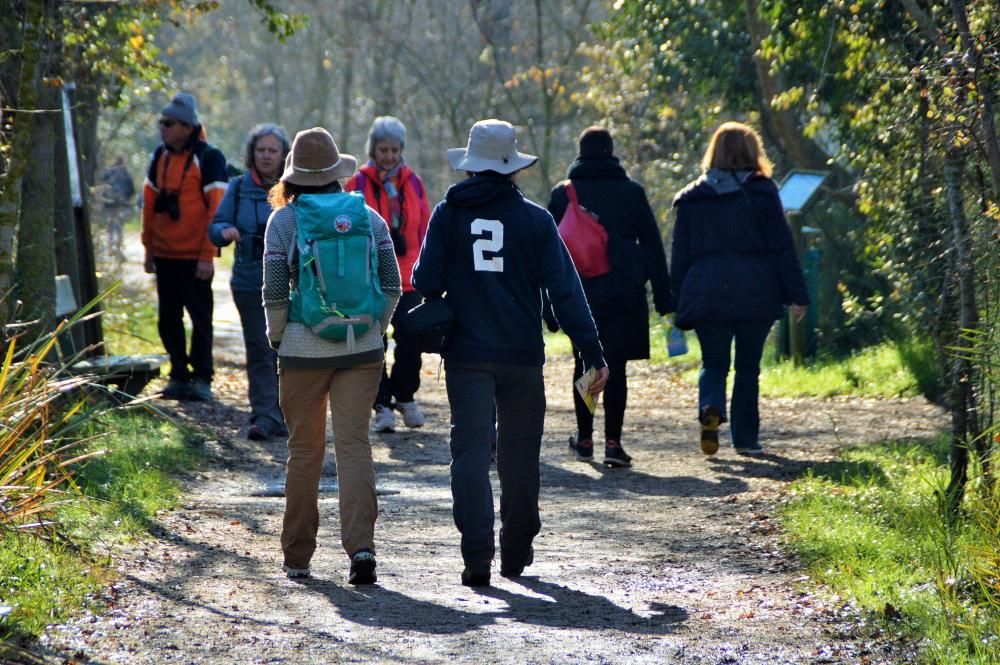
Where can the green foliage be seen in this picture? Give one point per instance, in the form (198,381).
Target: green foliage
(872,528)
(118,494)
(130,322)
(44,583)
(885,370)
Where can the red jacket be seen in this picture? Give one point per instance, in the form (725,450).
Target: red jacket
(413,208)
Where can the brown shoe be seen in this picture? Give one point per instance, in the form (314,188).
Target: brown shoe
(710,419)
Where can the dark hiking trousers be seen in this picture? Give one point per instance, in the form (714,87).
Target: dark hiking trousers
(178,290)
(615,398)
(262,362)
(518,392)
(403,380)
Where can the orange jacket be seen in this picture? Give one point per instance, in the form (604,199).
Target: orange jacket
(413,207)
(197,175)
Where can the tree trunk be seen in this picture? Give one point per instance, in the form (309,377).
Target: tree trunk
(35,238)
(964,401)
(10,182)
(984,86)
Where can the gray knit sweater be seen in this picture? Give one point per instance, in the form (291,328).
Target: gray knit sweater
(300,348)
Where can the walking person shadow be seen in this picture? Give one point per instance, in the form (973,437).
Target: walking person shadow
(563,607)
(549,604)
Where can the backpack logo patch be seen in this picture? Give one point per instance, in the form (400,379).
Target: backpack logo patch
(342,223)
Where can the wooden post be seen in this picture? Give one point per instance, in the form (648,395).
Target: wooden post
(796,329)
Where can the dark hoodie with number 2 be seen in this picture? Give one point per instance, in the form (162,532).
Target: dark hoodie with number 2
(491,252)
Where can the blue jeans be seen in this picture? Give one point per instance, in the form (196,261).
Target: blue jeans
(518,391)
(716,340)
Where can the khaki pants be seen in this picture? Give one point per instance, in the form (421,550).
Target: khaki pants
(304,395)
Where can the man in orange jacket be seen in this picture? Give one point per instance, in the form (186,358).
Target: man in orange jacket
(184,185)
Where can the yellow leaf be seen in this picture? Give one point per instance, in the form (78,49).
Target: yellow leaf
(137,41)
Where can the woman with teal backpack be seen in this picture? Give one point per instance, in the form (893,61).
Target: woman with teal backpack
(330,361)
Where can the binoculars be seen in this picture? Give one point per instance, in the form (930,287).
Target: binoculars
(167,202)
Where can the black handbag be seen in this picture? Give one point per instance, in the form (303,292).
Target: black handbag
(428,325)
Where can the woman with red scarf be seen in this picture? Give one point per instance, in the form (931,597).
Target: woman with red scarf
(396,192)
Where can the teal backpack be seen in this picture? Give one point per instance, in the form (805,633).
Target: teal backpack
(339,295)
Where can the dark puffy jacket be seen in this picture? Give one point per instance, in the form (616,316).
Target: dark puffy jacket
(733,258)
(635,251)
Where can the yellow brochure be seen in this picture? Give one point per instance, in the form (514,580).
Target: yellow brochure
(582,386)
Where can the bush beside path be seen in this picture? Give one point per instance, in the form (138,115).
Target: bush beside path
(677,560)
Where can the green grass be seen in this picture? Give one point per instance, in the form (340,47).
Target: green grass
(46,580)
(878,371)
(891,369)
(129,324)
(871,527)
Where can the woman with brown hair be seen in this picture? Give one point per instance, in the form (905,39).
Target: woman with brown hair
(316,372)
(733,266)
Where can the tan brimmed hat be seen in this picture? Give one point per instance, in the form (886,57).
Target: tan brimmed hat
(315,161)
(492,147)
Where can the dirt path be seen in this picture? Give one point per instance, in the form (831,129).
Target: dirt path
(674,561)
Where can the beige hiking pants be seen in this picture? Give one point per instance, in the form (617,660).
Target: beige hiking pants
(304,395)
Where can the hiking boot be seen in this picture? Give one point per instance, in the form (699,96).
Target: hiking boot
(412,417)
(257,433)
(199,390)
(362,568)
(615,455)
(513,566)
(385,419)
(176,389)
(749,450)
(710,419)
(583,448)
(296,573)
(476,575)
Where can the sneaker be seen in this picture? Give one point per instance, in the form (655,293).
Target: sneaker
(296,573)
(199,390)
(257,433)
(385,419)
(615,455)
(176,389)
(583,448)
(511,567)
(710,419)
(749,450)
(412,417)
(476,575)
(362,568)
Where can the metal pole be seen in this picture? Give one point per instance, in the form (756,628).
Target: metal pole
(74,166)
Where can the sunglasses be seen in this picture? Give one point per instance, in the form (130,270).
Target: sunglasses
(167,123)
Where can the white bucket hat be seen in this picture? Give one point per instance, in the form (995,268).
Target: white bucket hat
(315,161)
(492,147)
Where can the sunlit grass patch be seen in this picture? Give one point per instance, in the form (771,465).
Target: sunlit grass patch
(871,527)
(47,574)
(135,478)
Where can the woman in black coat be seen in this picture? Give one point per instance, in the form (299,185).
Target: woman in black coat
(617,299)
(734,266)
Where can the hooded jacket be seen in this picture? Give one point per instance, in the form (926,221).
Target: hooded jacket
(733,257)
(635,251)
(491,252)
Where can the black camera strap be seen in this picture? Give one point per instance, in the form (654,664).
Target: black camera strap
(187,167)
